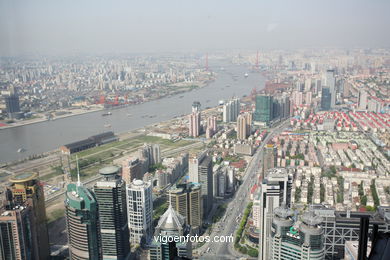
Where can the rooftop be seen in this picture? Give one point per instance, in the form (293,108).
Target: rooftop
(24,177)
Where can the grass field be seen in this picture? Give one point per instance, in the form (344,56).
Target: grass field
(93,159)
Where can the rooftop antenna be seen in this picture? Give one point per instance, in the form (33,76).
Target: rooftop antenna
(78,172)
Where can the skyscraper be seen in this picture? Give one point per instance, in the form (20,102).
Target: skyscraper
(12,103)
(296,241)
(275,191)
(171,224)
(244,122)
(194,124)
(140,211)
(200,171)
(241,127)
(16,239)
(25,202)
(362,101)
(326,99)
(186,199)
(331,84)
(82,221)
(264,109)
(211,126)
(231,110)
(110,194)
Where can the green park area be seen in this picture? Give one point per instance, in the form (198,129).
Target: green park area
(91,160)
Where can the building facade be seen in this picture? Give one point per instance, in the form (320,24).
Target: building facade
(275,191)
(24,192)
(171,224)
(82,222)
(186,199)
(294,240)
(140,211)
(110,194)
(264,109)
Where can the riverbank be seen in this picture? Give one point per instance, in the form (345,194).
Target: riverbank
(37,138)
(92,108)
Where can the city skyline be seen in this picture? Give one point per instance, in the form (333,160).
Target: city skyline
(194,129)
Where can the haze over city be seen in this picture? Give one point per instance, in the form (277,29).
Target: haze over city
(179,129)
(71,27)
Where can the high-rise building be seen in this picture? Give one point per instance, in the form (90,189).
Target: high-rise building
(194,124)
(26,192)
(308,98)
(206,181)
(140,211)
(187,200)
(82,221)
(132,169)
(110,194)
(200,171)
(244,122)
(226,112)
(16,240)
(171,224)
(296,241)
(275,191)
(331,84)
(362,101)
(326,99)
(342,226)
(264,109)
(211,126)
(269,158)
(12,103)
(241,127)
(150,153)
(231,110)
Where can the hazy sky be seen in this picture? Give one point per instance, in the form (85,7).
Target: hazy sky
(92,26)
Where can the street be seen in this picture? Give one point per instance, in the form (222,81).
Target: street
(228,224)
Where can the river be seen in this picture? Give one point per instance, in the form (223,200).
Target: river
(49,135)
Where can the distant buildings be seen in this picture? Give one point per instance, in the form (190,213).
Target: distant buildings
(200,171)
(171,224)
(83,225)
(297,241)
(275,191)
(264,109)
(140,211)
(110,195)
(186,199)
(23,220)
(231,110)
